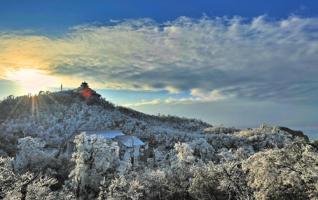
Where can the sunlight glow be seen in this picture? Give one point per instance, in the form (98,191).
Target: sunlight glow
(32,80)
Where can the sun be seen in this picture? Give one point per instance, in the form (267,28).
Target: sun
(32,80)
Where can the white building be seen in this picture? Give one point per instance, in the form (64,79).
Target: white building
(131,148)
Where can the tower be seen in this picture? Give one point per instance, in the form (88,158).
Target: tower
(84,85)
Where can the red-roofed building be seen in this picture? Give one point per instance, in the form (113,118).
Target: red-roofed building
(87,93)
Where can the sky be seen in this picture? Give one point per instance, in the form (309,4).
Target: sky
(231,62)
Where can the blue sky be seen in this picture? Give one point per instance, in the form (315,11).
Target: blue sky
(231,62)
(59,15)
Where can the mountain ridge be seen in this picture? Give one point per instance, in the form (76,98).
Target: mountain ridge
(68,97)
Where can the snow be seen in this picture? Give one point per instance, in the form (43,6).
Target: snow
(109,134)
(130,141)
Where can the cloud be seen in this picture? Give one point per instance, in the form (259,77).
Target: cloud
(213,95)
(196,96)
(211,58)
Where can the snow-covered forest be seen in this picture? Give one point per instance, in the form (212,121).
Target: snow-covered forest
(188,159)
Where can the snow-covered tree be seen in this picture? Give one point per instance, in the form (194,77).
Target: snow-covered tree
(14,185)
(40,188)
(184,153)
(206,183)
(122,189)
(221,181)
(7,176)
(181,170)
(94,158)
(202,149)
(289,173)
(156,184)
(31,154)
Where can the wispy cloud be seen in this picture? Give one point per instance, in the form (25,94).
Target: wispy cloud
(195,96)
(211,59)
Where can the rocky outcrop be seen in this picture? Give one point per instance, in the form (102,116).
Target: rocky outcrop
(294,133)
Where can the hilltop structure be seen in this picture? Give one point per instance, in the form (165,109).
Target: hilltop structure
(87,93)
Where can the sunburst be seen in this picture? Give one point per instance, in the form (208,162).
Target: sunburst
(32,80)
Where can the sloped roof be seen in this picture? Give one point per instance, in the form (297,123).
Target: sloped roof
(109,134)
(129,140)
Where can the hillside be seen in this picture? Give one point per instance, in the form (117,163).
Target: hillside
(55,116)
(189,159)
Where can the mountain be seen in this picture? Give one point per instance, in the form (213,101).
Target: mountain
(187,158)
(55,116)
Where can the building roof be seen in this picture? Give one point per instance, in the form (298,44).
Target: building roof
(129,140)
(109,134)
(117,135)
